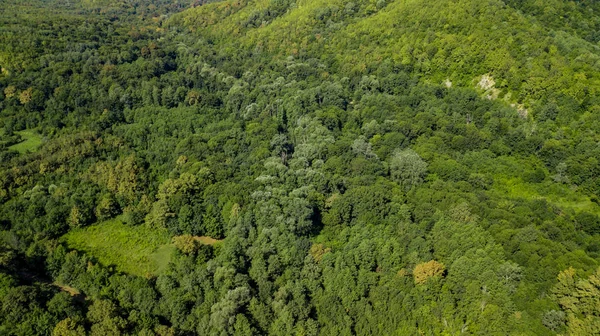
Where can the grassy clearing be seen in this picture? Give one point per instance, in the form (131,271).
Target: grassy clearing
(207,240)
(508,175)
(135,250)
(557,194)
(32,141)
(72,291)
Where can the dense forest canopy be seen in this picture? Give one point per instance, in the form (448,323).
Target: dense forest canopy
(299,167)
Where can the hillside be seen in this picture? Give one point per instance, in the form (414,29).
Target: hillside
(404,167)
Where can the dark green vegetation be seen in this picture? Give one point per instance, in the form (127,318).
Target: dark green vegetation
(379,167)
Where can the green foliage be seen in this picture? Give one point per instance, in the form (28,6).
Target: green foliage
(579,299)
(407,168)
(323,167)
(31,142)
(136,250)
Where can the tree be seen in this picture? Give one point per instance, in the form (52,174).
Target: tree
(312,139)
(424,271)
(510,274)
(361,147)
(107,207)
(223,314)
(68,327)
(554,320)
(78,217)
(561,173)
(106,321)
(10,91)
(580,299)
(25,96)
(186,243)
(407,168)
(588,222)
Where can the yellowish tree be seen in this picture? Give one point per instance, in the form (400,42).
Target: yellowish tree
(25,96)
(10,91)
(424,271)
(186,243)
(580,300)
(68,327)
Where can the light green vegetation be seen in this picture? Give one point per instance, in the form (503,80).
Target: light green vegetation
(512,180)
(560,196)
(207,240)
(136,250)
(31,142)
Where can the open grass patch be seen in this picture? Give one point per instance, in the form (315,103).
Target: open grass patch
(31,142)
(508,174)
(557,194)
(136,250)
(206,240)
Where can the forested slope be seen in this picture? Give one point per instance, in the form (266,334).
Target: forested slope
(305,167)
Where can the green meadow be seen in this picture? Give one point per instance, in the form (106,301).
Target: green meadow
(136,250)
(31,142)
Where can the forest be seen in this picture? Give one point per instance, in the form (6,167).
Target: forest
(299,167)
